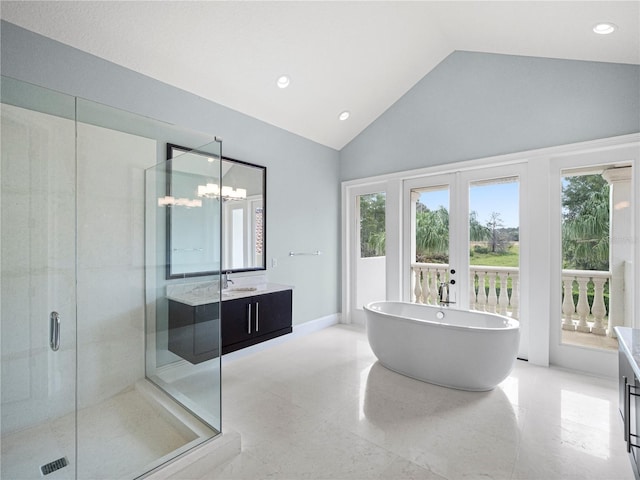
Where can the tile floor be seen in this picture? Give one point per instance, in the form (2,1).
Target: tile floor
(321,407)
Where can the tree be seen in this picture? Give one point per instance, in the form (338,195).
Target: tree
(477,231)
(497,240)
(372,225)
(585,223)
(432,234)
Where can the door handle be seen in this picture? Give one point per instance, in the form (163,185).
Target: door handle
(54,331)
(628,393)
(249,321)
(257,325)
(627,414)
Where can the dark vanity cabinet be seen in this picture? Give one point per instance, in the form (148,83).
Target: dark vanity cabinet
(194,331)
(629,405)
(250,320)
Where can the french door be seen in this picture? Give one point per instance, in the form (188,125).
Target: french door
(592,227)
(462,232)
(367,218)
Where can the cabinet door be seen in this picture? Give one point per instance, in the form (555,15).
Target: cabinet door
(206,331)
(273,312)
(237,326)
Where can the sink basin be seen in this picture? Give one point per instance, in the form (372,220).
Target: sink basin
(238,290)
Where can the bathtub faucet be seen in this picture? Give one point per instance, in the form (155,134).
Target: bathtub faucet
(443,293)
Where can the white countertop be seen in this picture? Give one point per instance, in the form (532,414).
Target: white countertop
(202,296)
(629,342)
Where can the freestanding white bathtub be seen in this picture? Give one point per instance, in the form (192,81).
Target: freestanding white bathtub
(460,349)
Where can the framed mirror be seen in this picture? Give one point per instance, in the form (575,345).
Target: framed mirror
(238,193)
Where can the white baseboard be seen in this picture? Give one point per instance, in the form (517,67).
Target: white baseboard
(317,324)
(298,331)
(181,368)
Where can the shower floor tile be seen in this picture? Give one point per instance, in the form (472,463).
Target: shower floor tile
(116,439)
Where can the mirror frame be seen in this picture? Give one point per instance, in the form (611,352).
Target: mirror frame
(171,149)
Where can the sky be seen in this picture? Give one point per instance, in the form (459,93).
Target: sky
(484,199)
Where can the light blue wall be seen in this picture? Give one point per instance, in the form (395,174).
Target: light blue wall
(303,209)
(475,105)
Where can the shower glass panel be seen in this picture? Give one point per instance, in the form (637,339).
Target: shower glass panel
(120,413)
(77,289)
(38,313)
(183,314)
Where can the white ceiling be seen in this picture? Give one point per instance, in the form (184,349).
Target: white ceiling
(358,56)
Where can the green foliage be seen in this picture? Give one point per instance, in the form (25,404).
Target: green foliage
(372,225)
(432,234)
(585,223)
(477,231)
(508,258)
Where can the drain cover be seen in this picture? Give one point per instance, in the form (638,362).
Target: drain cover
(54,466)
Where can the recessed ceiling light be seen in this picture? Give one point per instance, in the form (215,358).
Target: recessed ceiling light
(604,28)
(344,115)
(283,81)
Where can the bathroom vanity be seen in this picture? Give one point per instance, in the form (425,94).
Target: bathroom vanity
(193,331)
(249,315)
(629,386)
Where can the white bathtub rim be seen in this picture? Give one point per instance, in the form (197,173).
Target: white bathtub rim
(513,323)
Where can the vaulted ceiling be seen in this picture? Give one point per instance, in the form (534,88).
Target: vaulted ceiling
(358,56)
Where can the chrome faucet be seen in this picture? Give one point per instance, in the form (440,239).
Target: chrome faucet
(226,280)
(443,293)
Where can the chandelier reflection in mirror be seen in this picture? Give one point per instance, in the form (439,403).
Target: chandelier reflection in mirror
(169,201)
(212,190)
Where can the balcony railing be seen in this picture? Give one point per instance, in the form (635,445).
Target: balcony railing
(576,315)
(500,293)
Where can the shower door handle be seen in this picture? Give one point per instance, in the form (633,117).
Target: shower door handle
(54,331)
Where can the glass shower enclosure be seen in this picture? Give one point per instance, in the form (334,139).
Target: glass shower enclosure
(90,386)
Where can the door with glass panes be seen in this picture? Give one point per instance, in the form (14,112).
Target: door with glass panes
(463,244)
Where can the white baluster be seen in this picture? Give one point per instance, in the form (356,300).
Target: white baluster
(582,309)
(472,292)
(482,294)
(598,309)
(568,307)
(427,285)
(503,299)
(492,301)
(417,288)
(515,295)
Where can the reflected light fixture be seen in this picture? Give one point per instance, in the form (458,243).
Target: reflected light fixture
(344,115)
(168,201)
(211,190)
(604,28)
(283,81)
